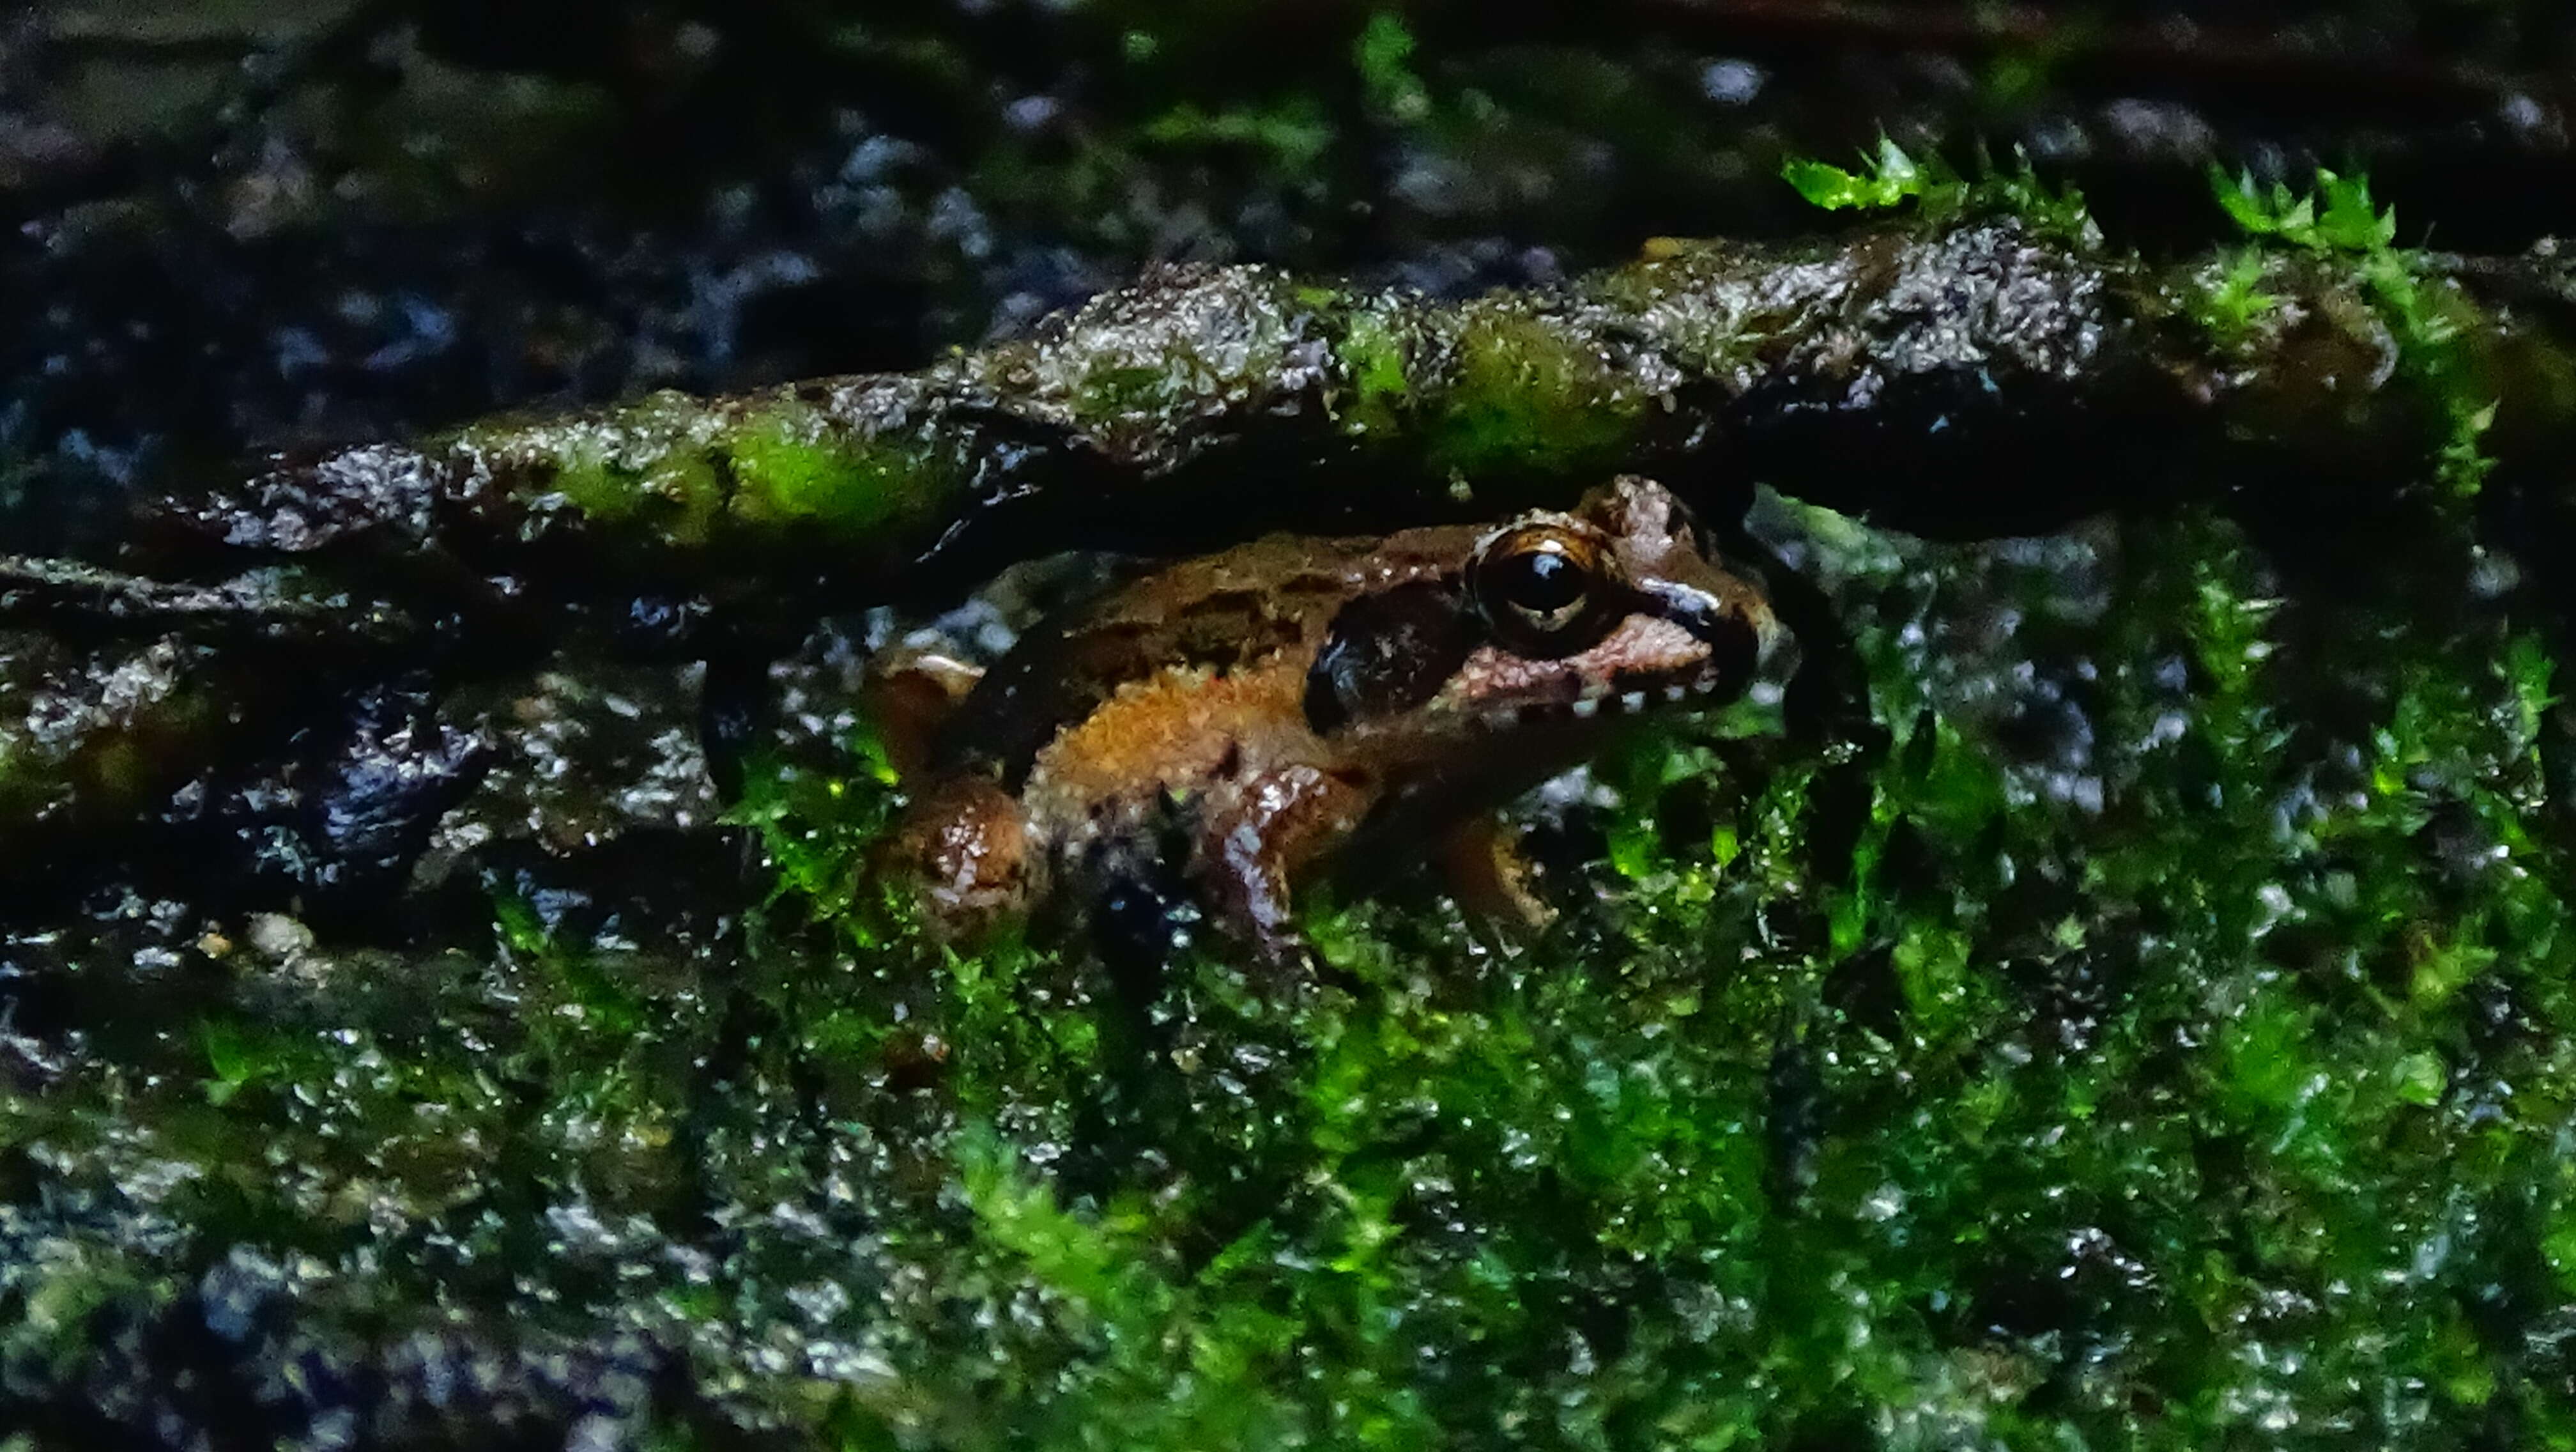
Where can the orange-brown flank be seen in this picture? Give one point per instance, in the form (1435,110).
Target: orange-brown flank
(1180,727)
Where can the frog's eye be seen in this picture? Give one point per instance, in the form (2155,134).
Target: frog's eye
(1543,590)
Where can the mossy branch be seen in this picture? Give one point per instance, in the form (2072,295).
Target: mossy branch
(1972,378)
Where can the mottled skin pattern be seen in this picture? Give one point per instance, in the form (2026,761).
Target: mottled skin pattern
(1225,726)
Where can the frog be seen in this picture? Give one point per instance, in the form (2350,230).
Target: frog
(1202,741)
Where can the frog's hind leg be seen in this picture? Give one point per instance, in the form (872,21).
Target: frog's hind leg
(965,852)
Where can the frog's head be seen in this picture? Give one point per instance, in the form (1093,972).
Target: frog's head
(1550,618)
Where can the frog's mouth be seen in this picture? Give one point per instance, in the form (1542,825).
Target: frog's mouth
(1678,644)
(1631,702)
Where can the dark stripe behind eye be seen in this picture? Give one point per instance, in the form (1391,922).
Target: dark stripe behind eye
(1388,652)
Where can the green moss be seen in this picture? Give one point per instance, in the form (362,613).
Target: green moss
(1373,358)
(2428,318)
(1892,178)
(583,475)
(1384,54)
(640,471)
(1889,178)
(2345,222)
(1077,1257)
(2052,211)
(2235,301)
(1293,135)
(816,821)
(1111,393)
(792,468)
(1523,400)
(672,471)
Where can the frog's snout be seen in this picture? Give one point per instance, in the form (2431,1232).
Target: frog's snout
(1741,633)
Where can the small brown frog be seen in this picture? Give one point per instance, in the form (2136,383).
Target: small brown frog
(1221,729)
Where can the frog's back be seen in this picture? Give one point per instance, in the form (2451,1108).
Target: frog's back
(1219,615)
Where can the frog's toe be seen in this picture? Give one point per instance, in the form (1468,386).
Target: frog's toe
(1492,879)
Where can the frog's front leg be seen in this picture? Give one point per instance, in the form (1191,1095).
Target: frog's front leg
(1257,837)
